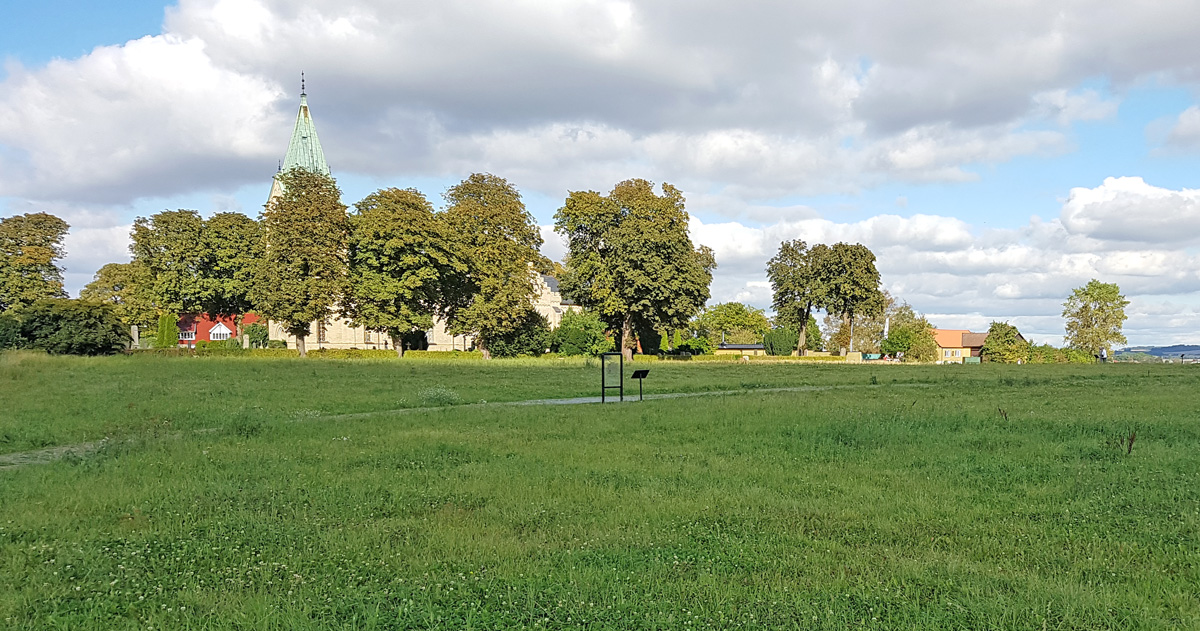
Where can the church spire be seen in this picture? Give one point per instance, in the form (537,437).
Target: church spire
(304,150)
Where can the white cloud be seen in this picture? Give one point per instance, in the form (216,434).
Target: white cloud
(965,277)
(1127,209)
(769,100)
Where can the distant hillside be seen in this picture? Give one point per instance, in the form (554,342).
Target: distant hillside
(1164,351)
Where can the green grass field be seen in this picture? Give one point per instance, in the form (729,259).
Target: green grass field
(232,495)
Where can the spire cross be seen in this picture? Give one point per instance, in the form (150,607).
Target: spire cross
(301,83)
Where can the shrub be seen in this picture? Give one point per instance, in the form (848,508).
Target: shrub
(449,355)
(1004,345)
(63,326)
(258,335)
(580,333)
(781,341)
(168,331)
(696,346)
(529,338)
(10,332)
(276,344)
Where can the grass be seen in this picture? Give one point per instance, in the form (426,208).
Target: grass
(860,506)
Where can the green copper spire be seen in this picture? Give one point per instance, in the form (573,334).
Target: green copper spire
(304,150)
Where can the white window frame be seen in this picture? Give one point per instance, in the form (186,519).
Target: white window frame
(219,335)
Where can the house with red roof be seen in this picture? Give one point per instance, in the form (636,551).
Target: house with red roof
(202,327)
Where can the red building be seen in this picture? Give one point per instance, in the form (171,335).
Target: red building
(205,328)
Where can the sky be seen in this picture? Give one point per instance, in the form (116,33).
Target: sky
(994,156)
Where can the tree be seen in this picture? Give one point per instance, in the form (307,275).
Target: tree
(732,322)
(851,284)
(1004,345)
(500,243)
(911,334)
(780,341)
(126,287)
(302,273)
(70,327)
(812,336)
(630,259)
(530,338)
(167,333)
(168,246)
(580,333)
(231,246)
(30,247)
(797,285)
(401,256)
(1095,314)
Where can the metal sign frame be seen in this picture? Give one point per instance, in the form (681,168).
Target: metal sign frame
(640,375)
(605,360)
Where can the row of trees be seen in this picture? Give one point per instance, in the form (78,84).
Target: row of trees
(393,263)
(839,279)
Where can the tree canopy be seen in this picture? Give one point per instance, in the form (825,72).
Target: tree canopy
(630,259)
(168,246)
(910,333)
(1004,345)
(1095,314)
(732,322)
(840,279)
(231,246)
(797,285)
(401,256)
(126,287)
(30,247)
(302,273)
(500,242)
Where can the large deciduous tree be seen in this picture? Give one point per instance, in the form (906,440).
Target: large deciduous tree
(125,286)
(851,284)
(301,276)
(630,259)
(797,285)
(401,256)
(500,241)
(1095,314)
(168,246)
(232,247)
(30,247)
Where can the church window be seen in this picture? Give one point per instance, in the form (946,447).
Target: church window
(321,332)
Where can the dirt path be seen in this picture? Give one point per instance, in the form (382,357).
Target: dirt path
(54,454)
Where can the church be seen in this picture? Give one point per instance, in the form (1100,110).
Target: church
(304,151)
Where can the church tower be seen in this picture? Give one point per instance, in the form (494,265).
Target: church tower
(304,150)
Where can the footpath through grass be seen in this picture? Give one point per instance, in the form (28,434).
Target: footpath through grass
(991,498)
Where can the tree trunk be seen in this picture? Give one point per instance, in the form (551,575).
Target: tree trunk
(300,346)
(627,338)
(802,344)
(483,349)
(399,346)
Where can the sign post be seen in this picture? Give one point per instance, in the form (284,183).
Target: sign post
(612,374)
(640,375)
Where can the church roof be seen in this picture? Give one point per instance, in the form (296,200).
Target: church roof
(305,149)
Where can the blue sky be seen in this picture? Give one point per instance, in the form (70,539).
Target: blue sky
(992,158)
